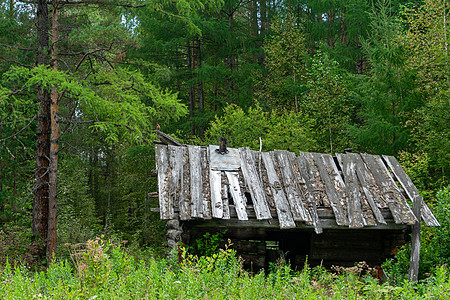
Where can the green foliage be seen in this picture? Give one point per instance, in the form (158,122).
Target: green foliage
(106,271)
(435,246)
(208,244)
(243,129)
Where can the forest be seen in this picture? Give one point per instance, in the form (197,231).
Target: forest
(85,84)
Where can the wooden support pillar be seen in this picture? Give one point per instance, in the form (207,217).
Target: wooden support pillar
(173,235)
(415,243)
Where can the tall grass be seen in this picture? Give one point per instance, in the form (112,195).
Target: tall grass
(100,270)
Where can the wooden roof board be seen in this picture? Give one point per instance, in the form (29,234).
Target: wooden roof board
(285,186)
(196,181)
(410,189)
(254,184)
(355,215)
(334,195)
(400,209)
(281,203)
(298,210)
(306,174)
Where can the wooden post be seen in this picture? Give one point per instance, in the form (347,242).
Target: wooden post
(415,243)
(173,235)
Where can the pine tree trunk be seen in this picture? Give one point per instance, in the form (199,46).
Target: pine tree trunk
(54,142)
(41,189)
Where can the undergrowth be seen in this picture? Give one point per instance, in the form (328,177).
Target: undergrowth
(100,269)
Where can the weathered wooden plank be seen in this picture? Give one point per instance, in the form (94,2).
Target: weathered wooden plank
(410,189)
(215,181)
(206,190)
(176,163)
(368,187)
(224,162)
(185,205)
(196,181)
(319,192)
(332,182)
(415,243)
(306,174)
(396,201)
(355,216)
(299,213)
(254,184)
(238,198)
(262,174)
(162,164)
(281,202)
(225,201)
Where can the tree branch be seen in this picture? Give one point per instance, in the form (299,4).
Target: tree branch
(18,132)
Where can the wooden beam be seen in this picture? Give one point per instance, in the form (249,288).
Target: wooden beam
(415,243)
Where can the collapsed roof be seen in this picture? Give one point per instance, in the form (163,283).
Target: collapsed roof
(197,182)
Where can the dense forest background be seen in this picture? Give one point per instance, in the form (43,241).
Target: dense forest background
(317,75)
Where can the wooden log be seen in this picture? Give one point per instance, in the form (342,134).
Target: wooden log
(254,184)
(415,243)
(355,215)
(306,174)
(196,181)
(281,203)
(238,198)
(333,186)
(299,212)
(162,161)
(400,209)
(410,189)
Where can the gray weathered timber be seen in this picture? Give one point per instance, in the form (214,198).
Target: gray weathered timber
(225,201)
(176,163)
(415,243)
(254,185)
(185,205)
(215,181)
(206,190)
(299,213)
(410,189)
(238,198)
(230,161)
(196,181)
(355,215)
(396,201)
(281,202)
(330,187)
(368,187)
(306,174)
(162,162)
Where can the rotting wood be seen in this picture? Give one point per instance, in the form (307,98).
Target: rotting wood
(225,200)
(216,193)
(368,186)
(281,202)
(176,162)
(262,173)
(238,198)
(254,184)
(306,173)
(415,243)
(410,189)
(196,181)
(299,213)
(162,161)
(319,193)
(355,216)
(185,205)
(333,196)
(206,190)
(396,201)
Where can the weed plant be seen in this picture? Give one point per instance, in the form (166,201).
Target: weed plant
(103,270)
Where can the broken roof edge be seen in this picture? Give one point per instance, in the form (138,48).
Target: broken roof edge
(176,182)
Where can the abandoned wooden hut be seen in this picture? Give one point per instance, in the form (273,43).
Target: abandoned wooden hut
(333,210)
